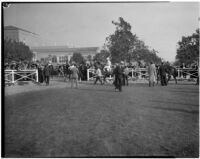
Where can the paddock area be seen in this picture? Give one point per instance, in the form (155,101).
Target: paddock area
(96,121)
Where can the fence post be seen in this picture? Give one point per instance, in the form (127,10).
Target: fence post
(182,73)
(13,77)
(88,74)
(132,73)
(139,74)
(179,73)
(36,75)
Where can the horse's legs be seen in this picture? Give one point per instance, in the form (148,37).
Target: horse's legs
(175,79)
(169,77)
(104,78)
(158,78)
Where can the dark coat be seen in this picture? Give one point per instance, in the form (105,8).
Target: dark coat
(47,71)
(162,70)
(118,71)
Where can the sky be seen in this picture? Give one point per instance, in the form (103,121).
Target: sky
(160,24)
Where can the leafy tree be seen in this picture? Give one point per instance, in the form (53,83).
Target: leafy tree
(77,58)
(101,57)
(16,51)
(124,46)
(121,41)
(188,49)
(146,55)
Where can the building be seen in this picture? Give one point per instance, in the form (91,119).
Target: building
(21,35)
(61,54)
(57,54)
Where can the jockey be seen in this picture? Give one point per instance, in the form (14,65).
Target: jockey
(108,65)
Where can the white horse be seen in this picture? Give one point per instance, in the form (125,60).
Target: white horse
(107,69)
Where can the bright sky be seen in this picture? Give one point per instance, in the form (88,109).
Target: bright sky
(159,25)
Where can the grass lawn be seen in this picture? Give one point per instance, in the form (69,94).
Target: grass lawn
(95,120)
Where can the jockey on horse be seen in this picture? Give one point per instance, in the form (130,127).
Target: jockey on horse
(107,69)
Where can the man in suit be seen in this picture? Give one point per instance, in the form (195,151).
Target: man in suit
(162,72)
(47,74)
(118,72)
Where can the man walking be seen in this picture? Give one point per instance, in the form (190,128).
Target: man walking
(98,75)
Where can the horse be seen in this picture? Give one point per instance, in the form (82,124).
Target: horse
(107,72)
(171,71)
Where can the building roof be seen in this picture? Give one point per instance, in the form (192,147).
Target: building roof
(55,49)
(10,27)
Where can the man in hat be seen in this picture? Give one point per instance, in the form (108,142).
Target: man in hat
(46,74)
(98,75)
(162,72)
(118,72)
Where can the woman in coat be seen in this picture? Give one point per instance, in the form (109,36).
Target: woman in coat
(74,75)
(152,74)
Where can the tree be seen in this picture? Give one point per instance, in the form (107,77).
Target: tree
(188,49)
(121,41)
(124,46)
(77,58)
(101,57)
(16,51)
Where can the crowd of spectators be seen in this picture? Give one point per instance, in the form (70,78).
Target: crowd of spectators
(63,70)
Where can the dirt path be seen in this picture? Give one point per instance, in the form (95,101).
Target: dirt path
(58,121)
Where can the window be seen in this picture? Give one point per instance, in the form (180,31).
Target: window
(63,59)
(54,59)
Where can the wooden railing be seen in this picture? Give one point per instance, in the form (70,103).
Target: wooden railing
(142,74)
(12,76)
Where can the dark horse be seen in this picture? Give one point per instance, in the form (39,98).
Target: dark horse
(171,71)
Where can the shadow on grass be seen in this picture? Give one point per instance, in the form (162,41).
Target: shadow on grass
(177,110)
(178,91)
(97,90)
(169,102)
(21,83)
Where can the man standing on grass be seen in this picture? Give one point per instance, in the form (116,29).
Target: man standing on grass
(47,74)
(162,72)
(125,73)
(152,74)
(74,75)
(118,73)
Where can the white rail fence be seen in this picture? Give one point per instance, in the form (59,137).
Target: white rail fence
(187,73)
(13,76)
(142,74)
